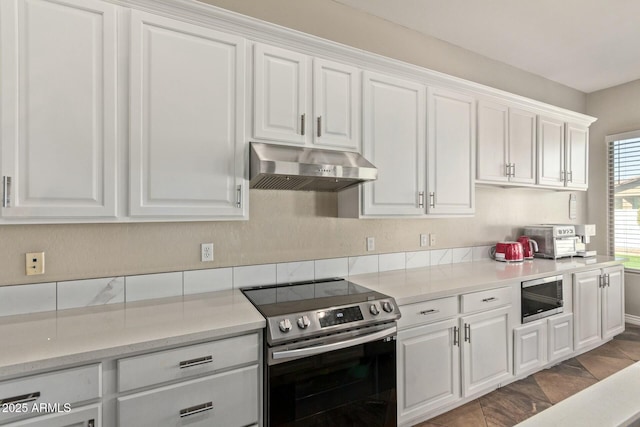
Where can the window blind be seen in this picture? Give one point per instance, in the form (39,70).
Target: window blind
(624,198)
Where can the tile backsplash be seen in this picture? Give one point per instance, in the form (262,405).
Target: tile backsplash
(22,299)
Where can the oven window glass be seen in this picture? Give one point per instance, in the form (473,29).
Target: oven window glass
(353,387)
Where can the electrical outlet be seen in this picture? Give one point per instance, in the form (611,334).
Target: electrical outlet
(206,252)
(34,263)
(424,240)
(432,239)
(371,244)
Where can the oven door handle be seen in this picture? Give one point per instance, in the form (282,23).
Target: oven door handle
(312,351)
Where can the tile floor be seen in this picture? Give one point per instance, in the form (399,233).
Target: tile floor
(509,405)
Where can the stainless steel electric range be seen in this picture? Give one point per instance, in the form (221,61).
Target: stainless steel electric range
(330,354)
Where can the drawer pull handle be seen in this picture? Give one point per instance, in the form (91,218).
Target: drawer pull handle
(196,362)
(187,412)
(490,299)
(430,311)
(23,398)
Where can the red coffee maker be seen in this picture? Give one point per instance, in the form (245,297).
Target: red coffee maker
(529,246)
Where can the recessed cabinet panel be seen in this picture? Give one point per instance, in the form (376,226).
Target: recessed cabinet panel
(577,156)
(551,162)
(613,302)
(586,308)
(522,146)
(451,153)
(560,342)
(394,141)
(187,89)
(529,347)
(493,142)
(58,85)
(280,94)
(336,93)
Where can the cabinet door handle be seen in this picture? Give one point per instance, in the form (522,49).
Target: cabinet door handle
(430,311)
(23,398)
(570,176)
(239,196)
(507,168)
(490,299)
(467,332)
(6,191)
(421,199)
(432,199)
(196,362)
(91,423)
(456,336)
(601,281)
(607,280)
(302,117)
(193,410)
(563,176)
(513,170)
(319,125)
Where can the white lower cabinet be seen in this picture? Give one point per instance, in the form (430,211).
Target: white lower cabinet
(86,416)
(226,399)
(486,350)
(428,368)
(598,305)
(560,337)
(529,347)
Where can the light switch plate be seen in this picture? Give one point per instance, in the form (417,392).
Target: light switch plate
(34,263)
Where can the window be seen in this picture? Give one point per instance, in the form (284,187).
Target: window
(624,197)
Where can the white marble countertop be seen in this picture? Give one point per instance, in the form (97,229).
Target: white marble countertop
(34,342)
(422,284)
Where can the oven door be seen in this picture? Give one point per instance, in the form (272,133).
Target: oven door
(334,382)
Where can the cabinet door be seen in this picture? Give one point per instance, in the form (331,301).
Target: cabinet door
(187,97)
(486,350)
(336,105)
(428,368)
(551,166)
(560,342)
(58,107)
(280,95)
(586,308)
(577,162)
(86,416)
(493,134)
(394,141)
(451,153)
(613,302)
(522,145)
(529,351)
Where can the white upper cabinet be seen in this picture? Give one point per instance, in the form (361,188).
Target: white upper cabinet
(551,162)
(563,154)
(577,156)
(280,94)
(336,105)
(58,108)
(451,152)
(394,141)
(187,129)
(493,142)
(303,100)
(522,146)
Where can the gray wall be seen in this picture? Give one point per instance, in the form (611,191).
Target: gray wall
(617,110)
(286,226)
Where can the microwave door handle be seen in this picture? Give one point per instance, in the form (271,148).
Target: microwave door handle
(312,351)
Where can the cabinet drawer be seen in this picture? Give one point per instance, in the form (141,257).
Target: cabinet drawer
(485,300)
(427,312)
(60,387)
(155,368)
(85,416)
(228,399)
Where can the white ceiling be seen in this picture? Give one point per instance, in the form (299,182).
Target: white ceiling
(584,44)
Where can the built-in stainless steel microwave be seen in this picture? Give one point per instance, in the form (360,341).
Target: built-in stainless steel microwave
(541,298)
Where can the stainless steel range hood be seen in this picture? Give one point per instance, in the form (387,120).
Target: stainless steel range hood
(281,167)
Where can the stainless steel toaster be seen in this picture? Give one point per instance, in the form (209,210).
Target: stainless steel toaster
(554,241)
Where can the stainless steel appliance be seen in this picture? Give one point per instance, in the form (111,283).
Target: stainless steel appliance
(554,241)
(584,233)
(330,354)
(541,298)
(282,167)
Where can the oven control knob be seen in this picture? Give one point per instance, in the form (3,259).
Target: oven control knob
(373,309)
(285,325)
(303,322)
(386,306)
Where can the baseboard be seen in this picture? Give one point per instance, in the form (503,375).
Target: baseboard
(630,318)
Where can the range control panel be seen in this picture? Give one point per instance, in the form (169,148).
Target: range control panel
(295,326)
